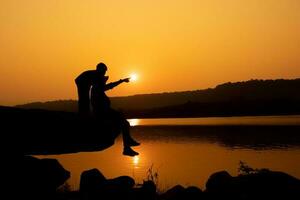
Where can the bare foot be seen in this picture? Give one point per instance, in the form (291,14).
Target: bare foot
(129,152)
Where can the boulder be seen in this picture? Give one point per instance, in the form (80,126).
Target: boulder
(93,185)
(178,192)
(41,132)
(175,193)
(260,184)
(193,193)
(218,181)
(91,182)
(42,177)
(121,182)
(118,188)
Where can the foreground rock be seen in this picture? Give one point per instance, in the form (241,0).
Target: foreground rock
(40,178)
(93,185)
(264,184)
(178,192)
(36,132)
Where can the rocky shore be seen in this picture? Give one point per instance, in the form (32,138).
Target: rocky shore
(32,132)
(46,178)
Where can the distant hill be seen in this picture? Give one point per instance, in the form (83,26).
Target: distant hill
(253,97)
(59,105)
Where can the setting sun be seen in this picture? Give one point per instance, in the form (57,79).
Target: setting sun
(133,77)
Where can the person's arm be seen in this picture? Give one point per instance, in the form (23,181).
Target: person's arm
(111,85)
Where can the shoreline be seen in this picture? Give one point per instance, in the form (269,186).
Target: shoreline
(45,178)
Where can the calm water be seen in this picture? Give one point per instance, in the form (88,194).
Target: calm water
(187,151)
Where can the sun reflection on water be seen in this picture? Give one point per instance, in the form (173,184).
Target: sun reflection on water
(135,161)
(134,122)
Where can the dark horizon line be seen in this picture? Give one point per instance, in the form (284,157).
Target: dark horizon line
(158,93)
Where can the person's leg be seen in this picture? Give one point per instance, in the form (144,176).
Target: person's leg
(128,141)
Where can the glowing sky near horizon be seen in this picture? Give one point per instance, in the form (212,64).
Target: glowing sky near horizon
(173,45)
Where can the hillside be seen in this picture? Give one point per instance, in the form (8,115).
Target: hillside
(253,97)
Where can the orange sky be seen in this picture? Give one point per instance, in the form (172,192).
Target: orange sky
(172,44)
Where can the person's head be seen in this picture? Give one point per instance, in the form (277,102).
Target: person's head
(101,68)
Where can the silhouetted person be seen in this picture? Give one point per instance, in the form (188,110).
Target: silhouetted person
(102,109)
(84,82)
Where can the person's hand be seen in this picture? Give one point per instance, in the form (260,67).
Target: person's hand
(126,80)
